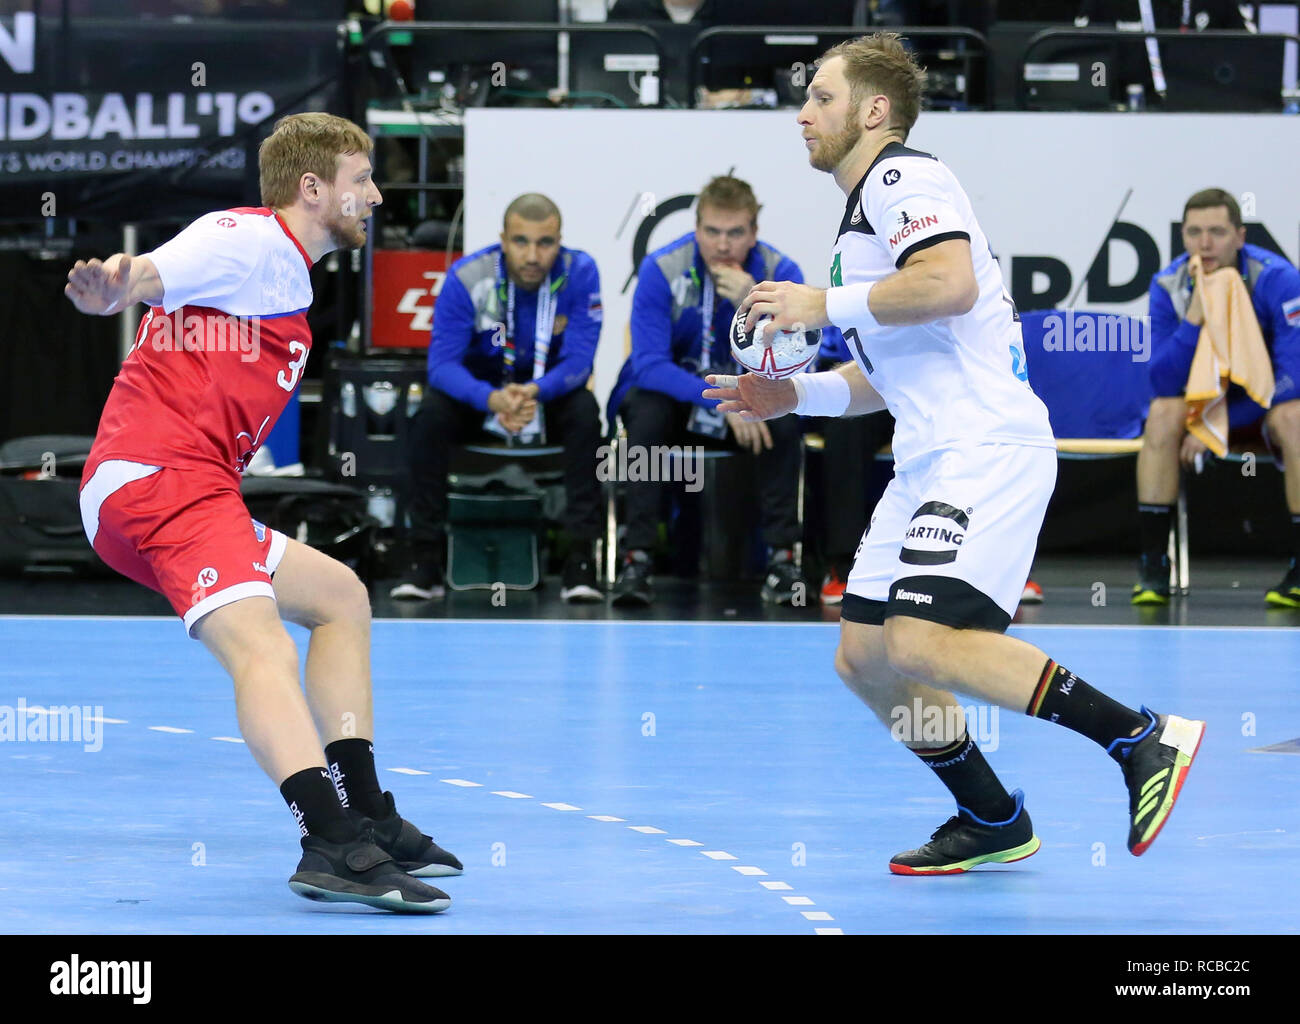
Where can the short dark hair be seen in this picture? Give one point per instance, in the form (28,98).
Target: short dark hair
(1211,197)
(532,206)
(727,193)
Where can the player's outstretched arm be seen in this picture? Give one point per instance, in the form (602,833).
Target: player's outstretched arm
(863,398)
(105,287)
(752,397)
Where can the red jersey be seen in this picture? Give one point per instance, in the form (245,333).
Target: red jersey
(214,366)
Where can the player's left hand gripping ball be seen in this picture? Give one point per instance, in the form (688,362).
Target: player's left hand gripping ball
(770,353)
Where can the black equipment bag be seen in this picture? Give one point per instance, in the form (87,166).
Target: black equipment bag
(333,518)
(40,517)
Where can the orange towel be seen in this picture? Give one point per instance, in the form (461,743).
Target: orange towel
(1230,348)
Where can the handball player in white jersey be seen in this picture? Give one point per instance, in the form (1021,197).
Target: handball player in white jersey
(218,355)
(937,576)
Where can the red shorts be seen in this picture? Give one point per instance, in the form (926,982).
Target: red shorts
(185,533)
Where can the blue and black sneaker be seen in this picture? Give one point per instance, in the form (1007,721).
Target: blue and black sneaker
(965,841)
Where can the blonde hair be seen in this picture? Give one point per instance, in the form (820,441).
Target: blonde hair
(880,63)
(301,144)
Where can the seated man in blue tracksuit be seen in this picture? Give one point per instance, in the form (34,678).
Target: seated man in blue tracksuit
(1212,228)
(685,298)
(514,336)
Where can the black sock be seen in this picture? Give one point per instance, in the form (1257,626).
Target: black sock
(962,768)
(352,766)
(1295,539)
(314,804)
(1064,698)
(1153,529)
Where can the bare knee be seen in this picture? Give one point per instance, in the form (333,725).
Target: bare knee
(1166,423)
(912,647)
(342,598)
(860,657)
(1284,425)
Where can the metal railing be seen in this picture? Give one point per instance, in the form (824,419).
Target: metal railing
(517,27)
(1137,37)
(846,31)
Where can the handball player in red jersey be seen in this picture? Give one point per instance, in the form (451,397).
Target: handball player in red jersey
(217,357)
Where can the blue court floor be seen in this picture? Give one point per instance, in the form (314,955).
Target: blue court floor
(602,777)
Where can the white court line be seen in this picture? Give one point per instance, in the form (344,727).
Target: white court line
(408,771)
(776,885)
(747,870)
(510,794)
(460,782)
(817,915)
(227,739)
(604,817)
(829,931)
(649,830)
(799,901)
(718,855)
(168,728)
(562,807)
(684,842)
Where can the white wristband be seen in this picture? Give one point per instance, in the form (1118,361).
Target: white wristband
(846,306)
(821,394)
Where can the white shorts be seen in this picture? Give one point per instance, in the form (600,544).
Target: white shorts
(953,537)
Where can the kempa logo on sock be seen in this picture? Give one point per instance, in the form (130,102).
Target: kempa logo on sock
(337,776)
(132,978)
(299,817)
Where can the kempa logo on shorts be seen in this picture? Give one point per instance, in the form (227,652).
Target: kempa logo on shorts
(72,977)
(207,577)
(259,567)
(937,537)
(912,595)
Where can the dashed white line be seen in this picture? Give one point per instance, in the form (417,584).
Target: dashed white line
(510,794)
(562,807)
(798,901)
(829,931)
(168,728)
(460,782)
(408,771)
(684,842)
(747,870)
(227,739)
(718,855)
(816,915)
(604,817)
(649,830)
(776,885)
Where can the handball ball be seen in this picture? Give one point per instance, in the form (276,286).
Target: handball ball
(400,10)
(788,353)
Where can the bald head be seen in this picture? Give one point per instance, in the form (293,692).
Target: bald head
(532,206)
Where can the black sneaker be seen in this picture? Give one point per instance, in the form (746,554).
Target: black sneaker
(633,586)
(964,841)
(1155,765)
(423,581)
(414,852)
(783,581)
(1152,586)
(360,872)
(579,582)
(1287,593)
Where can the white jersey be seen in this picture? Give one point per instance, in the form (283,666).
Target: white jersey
(956,381)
